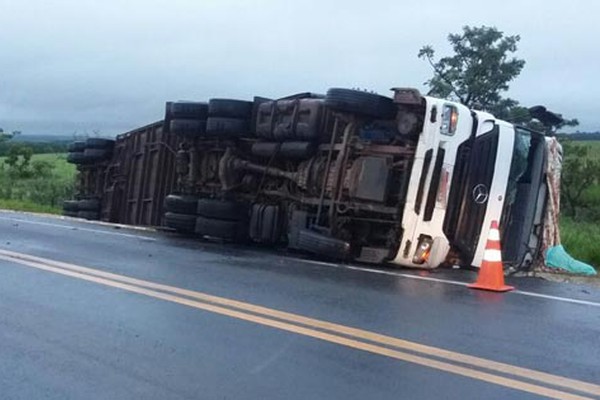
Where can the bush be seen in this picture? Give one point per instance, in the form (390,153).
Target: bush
(580,190)
(39,185)
(581,240)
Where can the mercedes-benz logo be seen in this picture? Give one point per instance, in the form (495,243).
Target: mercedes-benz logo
(480,193)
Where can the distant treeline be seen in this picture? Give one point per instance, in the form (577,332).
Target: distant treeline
(59,146)
(579,136)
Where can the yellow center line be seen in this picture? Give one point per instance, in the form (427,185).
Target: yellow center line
(508,369)
(127,283)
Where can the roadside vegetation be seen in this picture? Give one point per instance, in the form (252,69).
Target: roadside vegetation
(580,208)
(35,182)
(581,239)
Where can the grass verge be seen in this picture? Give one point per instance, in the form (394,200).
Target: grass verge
(581,240)
(25,205)
(40,187)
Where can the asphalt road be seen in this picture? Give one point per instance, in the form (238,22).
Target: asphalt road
(94,312)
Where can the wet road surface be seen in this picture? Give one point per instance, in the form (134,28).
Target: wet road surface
(90,311)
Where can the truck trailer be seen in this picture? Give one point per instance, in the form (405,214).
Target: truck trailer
(407,180)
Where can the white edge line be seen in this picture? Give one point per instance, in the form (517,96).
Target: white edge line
(444,281)
(83,221)
(327,264)
(557,298)
(75,228)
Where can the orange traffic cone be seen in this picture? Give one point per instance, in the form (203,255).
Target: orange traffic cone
(491,273)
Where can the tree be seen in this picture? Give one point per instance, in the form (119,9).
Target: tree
(42,168)
(4,136)
(479,72)
(580,174)
(18,160)
(480,69)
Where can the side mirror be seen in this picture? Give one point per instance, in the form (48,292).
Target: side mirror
(547,118)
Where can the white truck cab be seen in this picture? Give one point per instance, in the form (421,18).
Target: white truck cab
(470,168)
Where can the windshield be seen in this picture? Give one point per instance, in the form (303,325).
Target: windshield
(519,164)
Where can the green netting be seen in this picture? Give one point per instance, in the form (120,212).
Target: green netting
(557,257)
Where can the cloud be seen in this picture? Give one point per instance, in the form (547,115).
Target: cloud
(87,65)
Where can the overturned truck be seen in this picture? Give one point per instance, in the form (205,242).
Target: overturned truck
(410,180)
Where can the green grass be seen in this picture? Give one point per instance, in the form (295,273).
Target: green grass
(61,168)
(581,236)
(59,160)
(581,240)
(38,193)
(27,205)
(594,148)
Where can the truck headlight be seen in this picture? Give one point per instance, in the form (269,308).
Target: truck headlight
(449,120)
(423,250)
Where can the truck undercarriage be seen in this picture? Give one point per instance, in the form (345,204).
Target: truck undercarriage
(323,174)
(331,175)
(313,174)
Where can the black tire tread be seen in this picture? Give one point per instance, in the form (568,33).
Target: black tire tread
(183,223)
(186,110)
(99,143)
(230,108)
(181,204)
(226,210)
(71,205)
(88,205)
(359,102)
(78,158)
(234,231)
(227,127)
(94,154)
(75,147)
(187,127)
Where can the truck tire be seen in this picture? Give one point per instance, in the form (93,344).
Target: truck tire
(78,158)
(227,127)
(78,146)
(227,210)
(285,150)
(94,155)
(88,205)
(322,245)
(183,223)
(89,215)
(181,204)
(69,213)
(186,110)
(230,108)
(361,103)
(188,127)
(71,205)
(99,143)
(235,231)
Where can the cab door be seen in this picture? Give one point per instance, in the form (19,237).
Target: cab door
(470,192)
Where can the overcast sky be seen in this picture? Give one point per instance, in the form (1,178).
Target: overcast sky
(79,66)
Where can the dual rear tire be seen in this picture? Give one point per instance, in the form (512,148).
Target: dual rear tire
(219,118)
(86,209)
(222,219)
